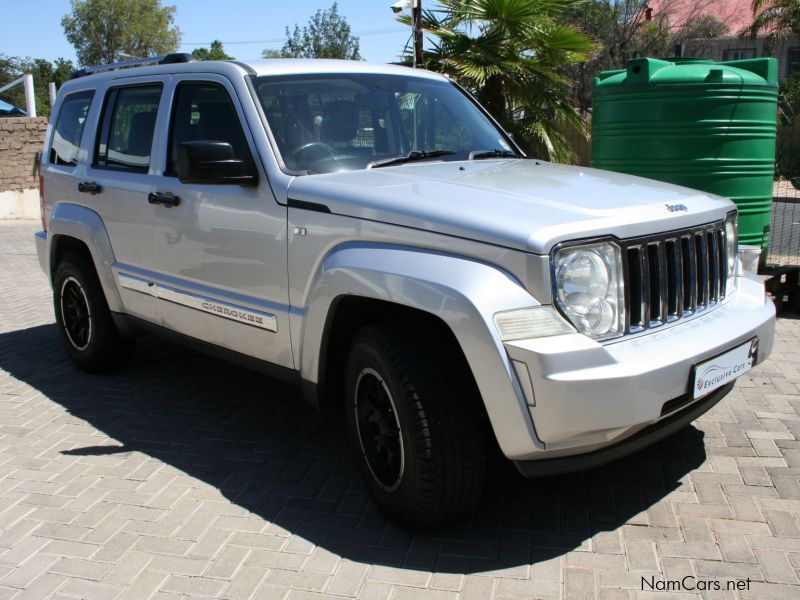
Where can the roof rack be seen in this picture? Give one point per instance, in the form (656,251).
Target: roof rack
(179,57)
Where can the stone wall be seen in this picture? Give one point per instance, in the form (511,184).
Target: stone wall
(20,139)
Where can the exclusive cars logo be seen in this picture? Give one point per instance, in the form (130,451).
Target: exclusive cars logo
(714,374)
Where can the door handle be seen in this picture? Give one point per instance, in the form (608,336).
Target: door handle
(165,199)
(89,187)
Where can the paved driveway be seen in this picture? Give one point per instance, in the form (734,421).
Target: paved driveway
(183,476)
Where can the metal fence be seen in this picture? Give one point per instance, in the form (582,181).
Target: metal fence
(784,239)
(784,242)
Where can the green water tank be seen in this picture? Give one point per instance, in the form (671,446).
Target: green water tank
(699,123)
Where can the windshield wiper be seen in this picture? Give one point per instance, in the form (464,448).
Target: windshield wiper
(410,157)
(493,153)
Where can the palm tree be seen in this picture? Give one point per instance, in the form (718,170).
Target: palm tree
(775,18)
(510,54)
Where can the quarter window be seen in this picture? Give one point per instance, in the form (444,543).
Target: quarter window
(204,111)
(69,128)
(126,135)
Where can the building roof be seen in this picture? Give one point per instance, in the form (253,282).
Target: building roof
(10,109)
(736,14)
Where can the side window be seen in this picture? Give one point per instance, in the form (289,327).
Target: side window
(204,111)
(126,134)
(69,128)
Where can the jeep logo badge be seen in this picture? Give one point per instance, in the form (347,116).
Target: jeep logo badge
(676,207)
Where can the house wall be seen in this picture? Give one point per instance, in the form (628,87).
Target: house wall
(20,139)
(715,49)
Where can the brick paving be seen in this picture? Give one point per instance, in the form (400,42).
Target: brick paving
(184,477)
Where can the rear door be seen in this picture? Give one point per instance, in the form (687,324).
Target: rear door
(119,181)
(221,250)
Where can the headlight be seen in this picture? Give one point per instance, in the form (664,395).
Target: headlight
(731,243)
(589,288)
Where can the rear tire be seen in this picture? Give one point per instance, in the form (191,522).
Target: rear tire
(90,337)
(415,426)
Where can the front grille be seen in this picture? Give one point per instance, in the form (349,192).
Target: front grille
(674,275)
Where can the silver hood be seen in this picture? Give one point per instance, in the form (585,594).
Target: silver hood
(527,205)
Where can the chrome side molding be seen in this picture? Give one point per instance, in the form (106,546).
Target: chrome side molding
(233,312)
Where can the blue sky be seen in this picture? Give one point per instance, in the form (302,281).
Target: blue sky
(33,27)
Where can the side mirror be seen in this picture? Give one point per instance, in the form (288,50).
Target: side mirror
(211,161)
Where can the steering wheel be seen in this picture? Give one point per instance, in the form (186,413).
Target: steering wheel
(311,152)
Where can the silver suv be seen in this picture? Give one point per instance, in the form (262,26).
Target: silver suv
(371,233)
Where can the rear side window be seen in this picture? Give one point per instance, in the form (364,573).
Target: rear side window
(126,132)
(204,111)
(69,128)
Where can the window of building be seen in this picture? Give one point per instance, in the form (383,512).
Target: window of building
(793,60)
(738,53)
(69,128)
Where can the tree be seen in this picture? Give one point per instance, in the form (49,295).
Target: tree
(215,52)
(510,54)
(102,30)
(327,35)
(43,72)
(775,18)
(623,29)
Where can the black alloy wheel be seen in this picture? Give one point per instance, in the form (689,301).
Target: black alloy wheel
(379,429)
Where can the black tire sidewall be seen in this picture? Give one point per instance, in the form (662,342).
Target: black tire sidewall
(106,348)
(366,355)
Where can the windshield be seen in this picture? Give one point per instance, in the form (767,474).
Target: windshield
(339,122)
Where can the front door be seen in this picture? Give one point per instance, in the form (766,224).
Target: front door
(220,248)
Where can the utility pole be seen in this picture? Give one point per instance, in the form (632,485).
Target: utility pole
(416,14)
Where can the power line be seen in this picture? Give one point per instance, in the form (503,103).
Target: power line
(365,33)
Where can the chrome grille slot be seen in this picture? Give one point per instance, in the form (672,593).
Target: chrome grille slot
(701,256)
(656,280)
(634,313)
(673,276)
(689,276)
(713,267)
(674,279)
(722,245)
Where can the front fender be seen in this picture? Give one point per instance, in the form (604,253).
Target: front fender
(84,224)
(463,293)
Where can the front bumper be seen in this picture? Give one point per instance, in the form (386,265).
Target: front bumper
(584,396)
(641,439)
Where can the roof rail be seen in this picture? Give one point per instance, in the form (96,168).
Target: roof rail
(180,57)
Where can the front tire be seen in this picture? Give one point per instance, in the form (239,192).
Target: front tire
(90,337)
(414,420)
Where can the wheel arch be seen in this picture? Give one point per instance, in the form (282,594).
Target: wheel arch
(349,313)
(80,229)
(357,282)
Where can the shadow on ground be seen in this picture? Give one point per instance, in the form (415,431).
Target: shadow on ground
(255,439)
